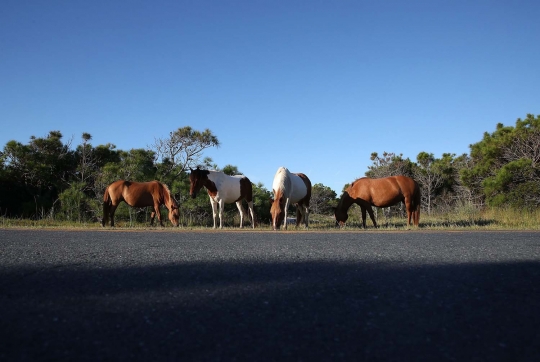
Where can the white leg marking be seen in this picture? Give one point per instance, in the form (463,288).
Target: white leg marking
(214,210)
(242,212)
(286,208)
(221,207)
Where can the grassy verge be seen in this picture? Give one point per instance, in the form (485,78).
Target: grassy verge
(488,219)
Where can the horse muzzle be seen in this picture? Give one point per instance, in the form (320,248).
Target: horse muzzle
(340,224)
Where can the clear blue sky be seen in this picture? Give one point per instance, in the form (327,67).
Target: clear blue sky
(315,86)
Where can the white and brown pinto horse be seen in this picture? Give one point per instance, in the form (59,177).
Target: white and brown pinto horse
(381,192)
(290,188)
(139,194)
(223,189)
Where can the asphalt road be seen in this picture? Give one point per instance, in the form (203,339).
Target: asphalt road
(269,296)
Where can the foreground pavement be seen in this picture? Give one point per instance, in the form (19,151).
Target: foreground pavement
(260,296)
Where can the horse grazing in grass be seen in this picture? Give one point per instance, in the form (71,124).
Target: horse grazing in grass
(290,188)
(139,194)
(381,192)
(223,189)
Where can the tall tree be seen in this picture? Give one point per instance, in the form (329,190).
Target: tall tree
(507,163)
(76,197)
(231,170)
(181,150)
(261,203)
(323,199)
(42,166)
(462,194)
(87,162)
(430,177)
(389,164)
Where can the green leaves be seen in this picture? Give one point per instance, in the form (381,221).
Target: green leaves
(182,150)
(508,162)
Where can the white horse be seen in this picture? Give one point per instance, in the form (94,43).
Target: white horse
(223,189)
(290,188)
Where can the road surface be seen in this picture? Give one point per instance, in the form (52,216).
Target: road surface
(179,295)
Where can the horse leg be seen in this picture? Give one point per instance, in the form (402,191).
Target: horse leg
(371,215)
(363,208)
(152,217)
(242,212)
(299,215)
(106,207)
(252,212)
(112,210)
(158,214)
(221,207)
(409,208)
(286,208)
(302,215)
(306,216)
(214,210)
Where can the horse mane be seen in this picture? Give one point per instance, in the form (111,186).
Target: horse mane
(166,188)
(168,193)
(285,177)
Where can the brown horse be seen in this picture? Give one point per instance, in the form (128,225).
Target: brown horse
(139,194)
(381,192)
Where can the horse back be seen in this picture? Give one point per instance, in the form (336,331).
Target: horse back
(407,185)
(246,190)
(382,192)
(282,182)
(301,187)
(142,194)
(230,188)
(114,191)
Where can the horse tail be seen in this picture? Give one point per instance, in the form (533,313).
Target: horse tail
(417,203)
(106,207)
(246,188)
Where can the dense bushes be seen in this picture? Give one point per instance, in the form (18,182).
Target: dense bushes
(48,178)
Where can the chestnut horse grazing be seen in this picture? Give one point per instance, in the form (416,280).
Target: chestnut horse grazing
(381,192)
(290,188)
(223,189)
(139,194)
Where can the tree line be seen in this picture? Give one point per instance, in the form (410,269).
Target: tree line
(51,178)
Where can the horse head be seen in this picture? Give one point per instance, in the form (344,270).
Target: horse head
(174,213)
(277,211)
(340,214)
(197,179)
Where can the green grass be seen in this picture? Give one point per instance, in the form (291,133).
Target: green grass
(465,219)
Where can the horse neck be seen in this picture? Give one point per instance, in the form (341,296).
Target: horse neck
(345,202)
(166,197)
(212,180)
(283,182)
(280,199)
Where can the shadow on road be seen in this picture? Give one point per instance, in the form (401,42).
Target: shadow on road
(272,311)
